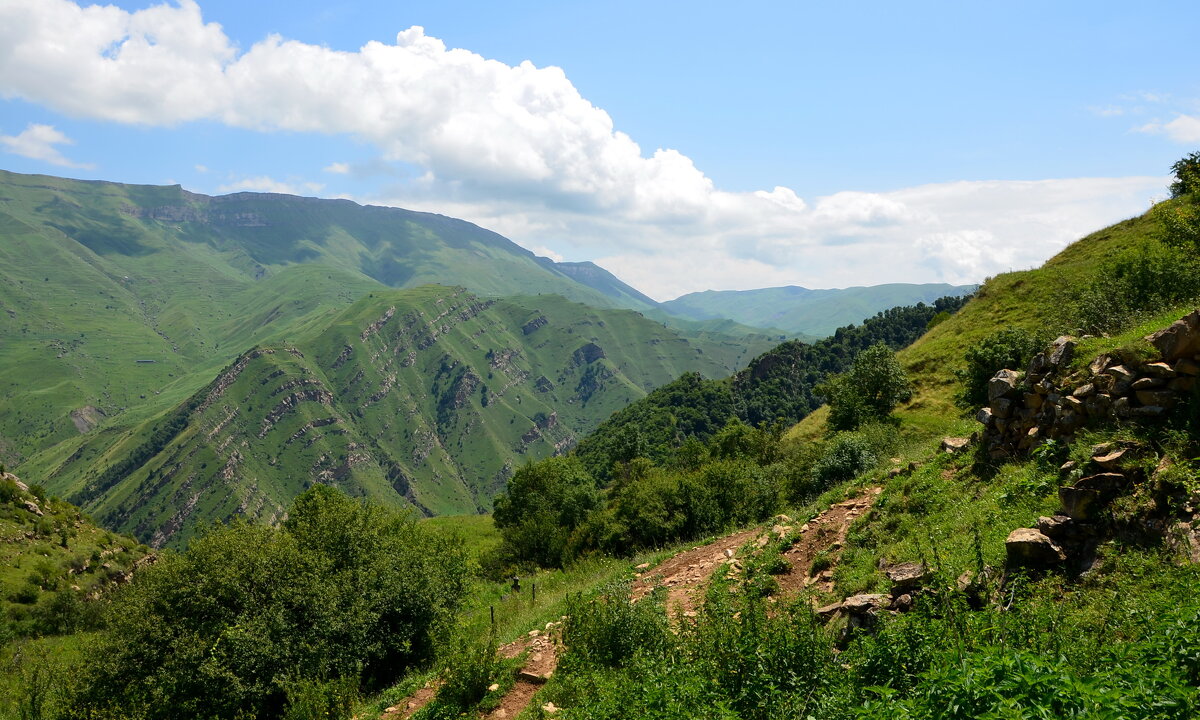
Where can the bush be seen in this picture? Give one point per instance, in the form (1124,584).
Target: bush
(469,672)
(847,455)
(868,391)
(343,592)
(1145,278)
(1004,349)
(608,629)
(543,503)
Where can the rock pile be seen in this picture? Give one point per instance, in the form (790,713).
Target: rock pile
(1070,537)
(1046,402)
(861,611)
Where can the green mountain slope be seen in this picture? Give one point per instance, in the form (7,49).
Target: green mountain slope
(111,294)
(427,397)
(601,280)
(801,311)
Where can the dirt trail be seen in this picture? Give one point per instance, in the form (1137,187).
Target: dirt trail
(824,533)
(686,572)
(538,668)
(682,574)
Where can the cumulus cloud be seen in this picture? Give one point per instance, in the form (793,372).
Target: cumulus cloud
(38,142)
(519,150)
(263,183)
(1183,129)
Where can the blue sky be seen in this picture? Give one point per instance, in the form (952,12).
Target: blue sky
(821,144)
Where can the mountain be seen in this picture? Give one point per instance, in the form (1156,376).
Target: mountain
(601,280)
(801,311)
(113,295)
(426,397)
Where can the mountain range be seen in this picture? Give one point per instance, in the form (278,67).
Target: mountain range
(171,357)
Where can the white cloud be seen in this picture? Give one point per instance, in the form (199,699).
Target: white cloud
(1183,129)
(263,183)
(37,142)
(337,168)
(201,168)
(519,150)
(547,253)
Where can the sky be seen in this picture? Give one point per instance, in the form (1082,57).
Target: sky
(682,146)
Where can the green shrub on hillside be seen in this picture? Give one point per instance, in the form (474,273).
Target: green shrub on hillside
(1142,279)
(1004,349)
(541,506)
(868,391)
(250,617)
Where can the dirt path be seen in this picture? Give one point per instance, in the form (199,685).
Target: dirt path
(824,533)
(538,668)
(411,704)
(682,574)
(686,572)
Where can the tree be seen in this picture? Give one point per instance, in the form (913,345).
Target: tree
(1187,175)
(542,504)
(869,390)
(252,619)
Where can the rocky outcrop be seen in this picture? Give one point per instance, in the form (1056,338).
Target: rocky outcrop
(1047,402)
(1026,547)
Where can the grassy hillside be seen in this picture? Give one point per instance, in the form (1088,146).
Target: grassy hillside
(54,562)
(110,294)
(426,398)
(804,312)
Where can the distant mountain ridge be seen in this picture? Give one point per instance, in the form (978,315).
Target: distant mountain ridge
(802,311)
(426,397)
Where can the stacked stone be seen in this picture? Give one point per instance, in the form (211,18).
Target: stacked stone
(1071,535)
(1024,410)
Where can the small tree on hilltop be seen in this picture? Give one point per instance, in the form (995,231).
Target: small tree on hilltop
(1179,217)
(1187,175)
(869,390)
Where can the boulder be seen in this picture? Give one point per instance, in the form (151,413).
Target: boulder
(1121,378)
(864,604)
(1108,484)
(1084,391)
(903,603)
(1187,366)
(1180,339)
(1002,408)
(1002,384)
(985,416)
(1148,383)
(1056,528)
(954,444)
(1098,405)
(1182,384)
(828,611)
(1064,350)
(1080,503)
(1112,459)
(1161,398)
(1026,547)
(907,576)
(1159,370)
(1100,364)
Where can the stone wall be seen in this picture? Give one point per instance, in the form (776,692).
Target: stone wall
(1047,401)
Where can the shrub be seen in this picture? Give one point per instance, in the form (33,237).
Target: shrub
(342,592)
(469,672)
(1142,279)
(608,629)
(869,390)
(847,455)
(1004,349)
(543,503)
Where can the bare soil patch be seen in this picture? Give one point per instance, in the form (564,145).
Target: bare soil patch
(825,533)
